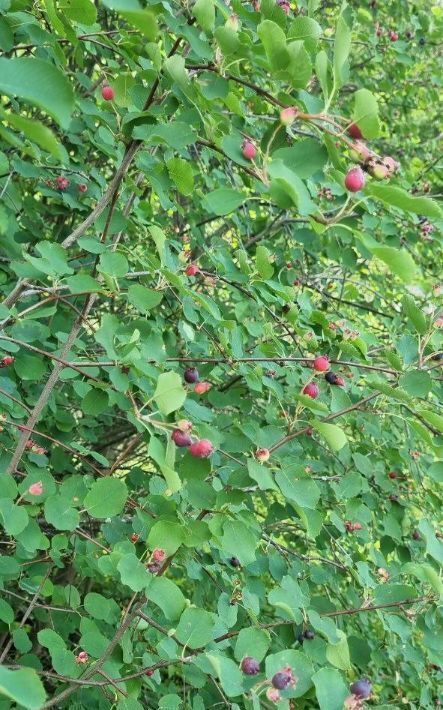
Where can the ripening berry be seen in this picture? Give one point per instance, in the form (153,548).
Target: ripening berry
(192,270)
(250,666)
(281,680)
(355,180)
(390,164)
(82,187)
(273,695)
(285,6)
(135,537)
(159,555)
(36,489)
(393,36)
(392,474)
(82,657)
(362,688)
(191,375)
(62,183)
(181,438)
(202,387)
(416,535)
(149,672)
(262,455)
(288,115)
(249,151)
(354,131)
(360,152)
(184,425)
(311,390)
(321,363)
(201,449)
(6,361)
(108,93)
(378,170)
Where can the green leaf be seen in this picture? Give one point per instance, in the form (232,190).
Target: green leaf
(414,314)
(338,653)
(40,83)
(196,628)
(330,688)
(306,29)
(166,595)
(23,687)
(167,535)
(228,673)
(222,201)
(302,491)
(274,41)
(286,180)
(263,262)
(397,197)
(366,113)
(14,518)
(133,573)
(299,69)
(169,394)
(82,11)
(399,261)
(333,435)
(60,514)
(37,133)
(304,158)
(6,612)
(342,47)
(95,402)
(239,541)
(425,573)
(114,264)
(143,298)
(131,10)
(106,498)
(387,593)
(416,383)
(204,12)
(252,642)
(436,420)
(180,172)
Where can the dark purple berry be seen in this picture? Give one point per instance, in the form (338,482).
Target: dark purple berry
(309,634)
(181,438)
(234,562)
(191,375)
(250,666)
(416,535)
(362,688)
(281,680)
(331,377)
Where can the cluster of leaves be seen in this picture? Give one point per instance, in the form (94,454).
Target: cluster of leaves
(333,528)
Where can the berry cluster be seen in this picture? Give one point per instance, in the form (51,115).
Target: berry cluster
(157,558)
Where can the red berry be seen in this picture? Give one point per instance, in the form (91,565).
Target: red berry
(354,131)
(7,360)
(392,474)
(355,180)
(108,93)
(201,449)
(249,151)
(159,555)
(82,187)
(311,390)
(135,537)
(393,36)
(191,375)
(181,438)
(62,183)
(321,363)
(192,270)
(149,672)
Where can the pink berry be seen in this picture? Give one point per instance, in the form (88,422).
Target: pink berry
(184,425)
(201,449)
(311,390)
(192,270)
(202,387)
(288,115)
(390,164)
(393,36)
(108,93)
(35,489)
(262,455)
(159,555)
(249,151)
(360,151)
(321,363)
(82,187)
(82,657)
(181,438)
(354,131)
(355,180)
(62,183)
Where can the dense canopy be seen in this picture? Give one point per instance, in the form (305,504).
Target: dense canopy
(221,350)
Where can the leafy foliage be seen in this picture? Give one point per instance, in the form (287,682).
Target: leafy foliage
(139,238)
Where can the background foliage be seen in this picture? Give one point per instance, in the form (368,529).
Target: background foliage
(103,204)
